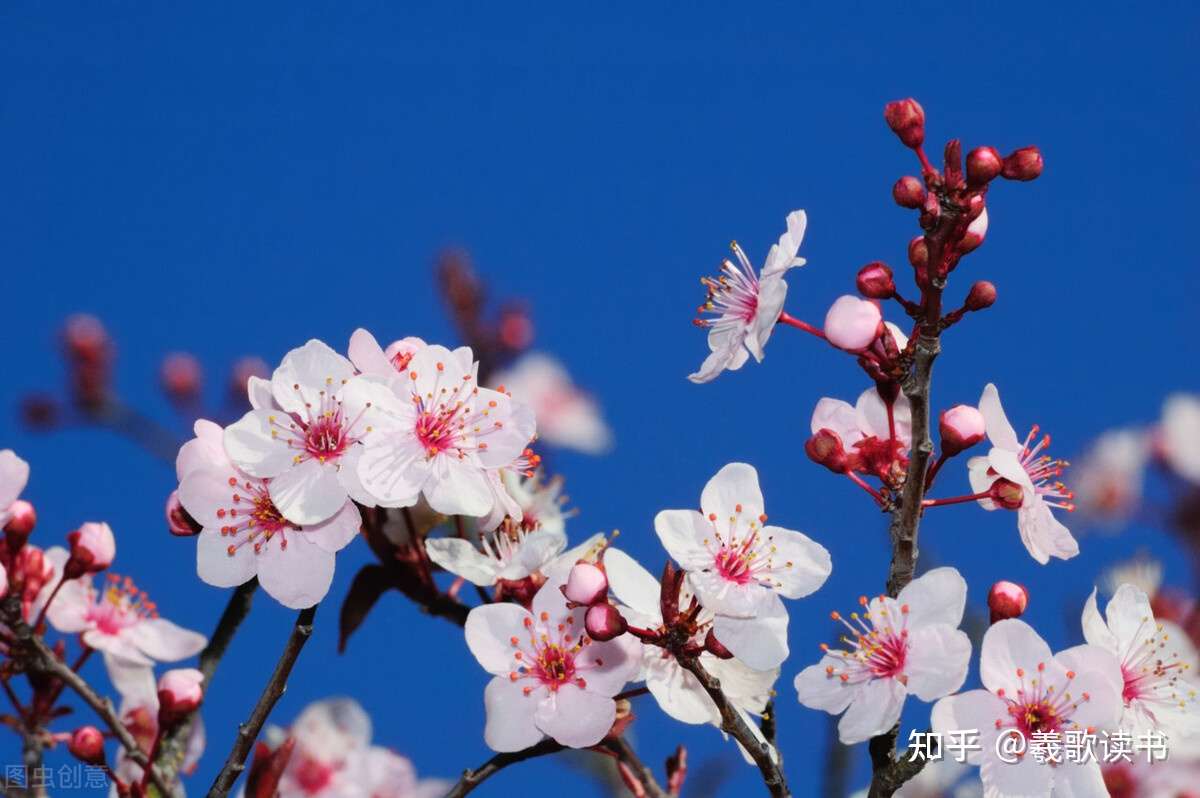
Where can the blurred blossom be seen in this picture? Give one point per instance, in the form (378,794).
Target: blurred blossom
(1144,573)
(566,416)
(181,376)
(1180,435)
(1108,480)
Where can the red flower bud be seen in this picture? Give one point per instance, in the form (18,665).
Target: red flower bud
(981,295)
(21,521)
(586,584)
(960,427)
(179,522)
(604,622)
(87,745)
(983,165)
(825,448)
(179,693)
(181,377)
(918,253)
(909,192)
(86,340)
(975,233)
(262,780)
(1023,164)
(1007,600)
(906,118)
(875,281)
(92,550)
(1007,495)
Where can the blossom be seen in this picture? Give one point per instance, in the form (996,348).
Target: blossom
(370,358)
(180,690)
(120,621)
(566,416)
(899,646)
(498,555)
(1180,435)
(745,305)
(434,432)
(382,773)
(1158,663)
(1030,690)
(875,436)
(14,475)
(738,567)
(306,443)
(1108,481)
(244,534)
(852,323)
(527,501)
(549,677)
(1022,463)
(139,713)
(677,691)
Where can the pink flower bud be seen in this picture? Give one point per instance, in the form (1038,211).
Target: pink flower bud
(909,192)
(1007,600)
(179,522)
(240,375)
(92,550)
(976,231)
(983,165)
(1006,494)
(1023,164)
(604,622)
(87,745)
(961,427)
(180,375)
(179,692)
(586,584)
(981,295)
(515,328)
(852,323)
(86,340)
(825,448)
(875,281)
(22,519)
(906,118)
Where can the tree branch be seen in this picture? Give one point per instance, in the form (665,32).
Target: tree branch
(624,752)
(248,731)
(733,724)
(471,779)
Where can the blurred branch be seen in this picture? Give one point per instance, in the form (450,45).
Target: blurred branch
(471,779)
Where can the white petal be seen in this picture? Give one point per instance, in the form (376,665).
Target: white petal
(1010,645)
(1008,465)
(339,531)
(252,446)
(837,416)
(392,469)
(682,533)
(576,718)
(974,709)
(610,665)
(1181,435)
(306,373)
(207,495)
(937,661)
(217,567)
(297,576)
(680,694)
(1129,614)
(871,414)
(729,598)
(746,687)
(490,629)
(164,641)
(1095,630)
(979,472)
(632,584)
(730,355)
(735,484)
(772,293)
(819,688)
(1044,537)
(367,355)
(783,254)
(800,564)
(510,712)
(1025,777)
(68,612)
(1097,674)
(1079,780)
(207,449)
(873,711)
(760,642)
(936,597)
(999,431)
(536,551)
(513,427)
(461,558)
(457,487)
(308,492)
(14,476)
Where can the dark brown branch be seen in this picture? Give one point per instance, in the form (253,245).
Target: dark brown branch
(248,731)
(31,757)
(471,779)
(733,724)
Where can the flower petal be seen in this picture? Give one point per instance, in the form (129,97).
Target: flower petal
(457,487)
(297,576)
(254,447)
(999,431)
(574,717)
(632,584)
(306,373)
(207,449)
(1008,646)
(165,641)
(682,533)
(837,416)
(339,531)
(937,661)
(510,725)
(801,565)
(1095,630)
(936,597)
(760,642)
(367,355)
(819,688)
(873,711)
(308,492)
(1044,537)
(14,476)
(680,694)
(490,629)
(217,567)
(733,491)
(974,709)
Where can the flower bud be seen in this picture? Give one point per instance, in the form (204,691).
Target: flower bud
(1006,494)
(715,647)
(240,375)
(875,281)
(909,192)
(586,584)
(515,328)
(180,376)
(981,295)
(86,340)
(1007,600)
(825,448)
(87,745)
(262,780)
(906,118)
(918,253)
(92,550)
(22,518)
(604,622)
(961,427)
(983,165)
(180,691)
(976,231)
(179,522)
(852,323)
(1023,164)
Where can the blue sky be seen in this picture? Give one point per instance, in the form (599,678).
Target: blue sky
(233,180)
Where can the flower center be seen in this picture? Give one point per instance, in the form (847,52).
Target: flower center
(312,775)
(741,553)
(251,510)
(551,655)
(1039,706)
(439,430)
(732,295)
(877,645)
(323,433)
(120,606)
(1151,675)
(1044,471)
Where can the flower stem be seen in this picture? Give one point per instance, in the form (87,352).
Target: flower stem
(792,321)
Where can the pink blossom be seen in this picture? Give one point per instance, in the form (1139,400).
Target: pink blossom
(586,584)
(960,428)
(746,305)
(139,712)
(566,416)
(244,534)
(370,358)
(434,432)
(739,567)
(1029,689)
(875,438)
(1108,480)
(550,678)
(852,323)
(14,476)
(1180,435)
(899,646)
(93,548)
(307,443)
(1023,464)
(180,690)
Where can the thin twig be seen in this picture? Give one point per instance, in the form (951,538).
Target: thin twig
(625,753)
(248,731)
(471,779)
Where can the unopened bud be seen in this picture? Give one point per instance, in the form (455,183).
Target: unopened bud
(87,745)
(604,622)
(909,192)
(180,691)
(1023,164)
(715,647)
(181,377)
(179,522)
(918,253)
(982,295)
(1006,494)
(825,448)
(22,518)
(1007,600)
(983,165)
(262,780)
(85,339)
(240,375)
(586,584)
(961,427)
(852,323)
(976,232)
(906,118)
(515,328)
(875,281)
(92,550)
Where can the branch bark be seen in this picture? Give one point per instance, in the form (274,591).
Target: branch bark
(248,731)
(471,779)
